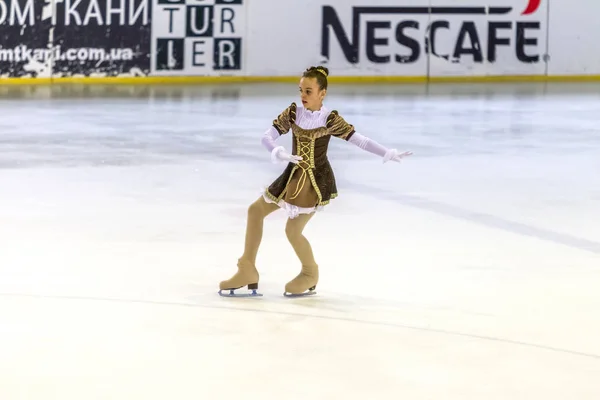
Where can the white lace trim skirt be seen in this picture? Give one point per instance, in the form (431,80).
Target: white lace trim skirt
(291,210)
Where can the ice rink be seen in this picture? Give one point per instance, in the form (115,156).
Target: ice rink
(471,271)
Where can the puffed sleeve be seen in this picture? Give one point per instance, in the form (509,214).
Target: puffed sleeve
(338,127)
(283,123)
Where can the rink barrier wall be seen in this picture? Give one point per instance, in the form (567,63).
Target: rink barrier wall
(180,80)
(360,41)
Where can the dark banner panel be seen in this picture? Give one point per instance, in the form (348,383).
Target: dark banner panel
(102,38)
(24,37)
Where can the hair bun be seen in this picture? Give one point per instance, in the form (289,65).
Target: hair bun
(323,70)
(320,69)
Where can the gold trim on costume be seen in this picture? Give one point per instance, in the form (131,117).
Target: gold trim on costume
(305,150)
(315,133)
(283,122)
(338,126)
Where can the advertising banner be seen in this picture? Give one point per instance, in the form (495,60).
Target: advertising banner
(24,35)
(101,38)
(47,38)
(371,38)
(192,37)
(437,37)
(487,37)
(354,38)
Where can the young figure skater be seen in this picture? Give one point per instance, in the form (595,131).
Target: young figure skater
(305,186)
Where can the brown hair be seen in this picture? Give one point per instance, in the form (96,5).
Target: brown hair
(320,73)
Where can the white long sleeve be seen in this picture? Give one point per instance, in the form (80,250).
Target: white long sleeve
(367,144)
(269,137)
(372,146)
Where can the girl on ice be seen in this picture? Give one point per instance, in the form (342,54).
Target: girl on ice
(306,185)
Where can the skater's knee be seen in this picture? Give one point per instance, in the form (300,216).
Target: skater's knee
(256,209)
(293,233)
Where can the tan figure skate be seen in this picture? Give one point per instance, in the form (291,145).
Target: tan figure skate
(247,275)
(304,284)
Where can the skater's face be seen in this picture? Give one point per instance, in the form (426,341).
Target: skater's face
(310,94)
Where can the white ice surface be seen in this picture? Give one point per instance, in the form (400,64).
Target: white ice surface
(471,271)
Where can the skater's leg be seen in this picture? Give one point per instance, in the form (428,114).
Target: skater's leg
(247,273)
(257,212)
(294,231)
(309,276)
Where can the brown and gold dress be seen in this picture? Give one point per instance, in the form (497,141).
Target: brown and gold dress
(310,184)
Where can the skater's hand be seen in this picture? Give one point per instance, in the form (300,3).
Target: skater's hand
(279,154)
(399,156)
(290,158)
(393,155)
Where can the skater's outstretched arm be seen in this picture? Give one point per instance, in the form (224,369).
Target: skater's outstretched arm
(372,146)
(343,130)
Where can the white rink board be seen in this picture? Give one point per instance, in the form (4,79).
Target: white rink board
(283,45)
(573,41)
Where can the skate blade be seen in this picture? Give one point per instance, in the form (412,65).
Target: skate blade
(305,294)
(231,293)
